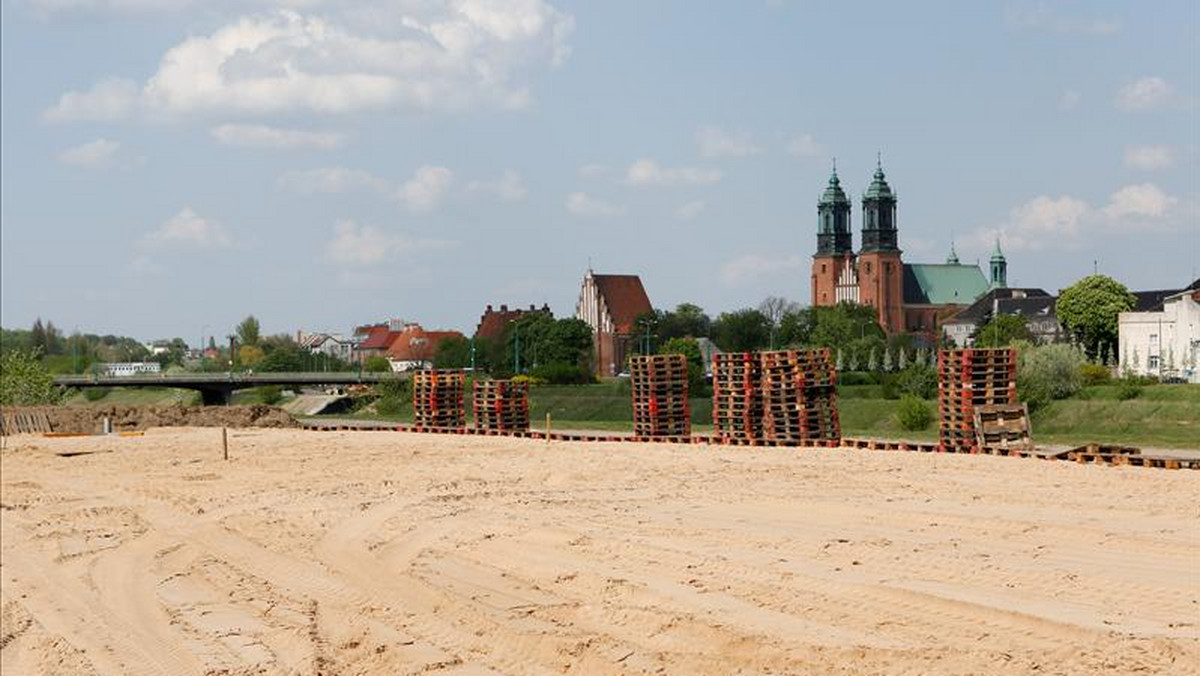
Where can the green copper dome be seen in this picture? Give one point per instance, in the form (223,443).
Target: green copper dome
(997,254)
(834,193)
(879,188)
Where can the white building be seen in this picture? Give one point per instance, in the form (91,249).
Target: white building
(1166,342)
(332,344)
(132,368)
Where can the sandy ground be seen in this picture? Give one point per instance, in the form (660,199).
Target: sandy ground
(387,553)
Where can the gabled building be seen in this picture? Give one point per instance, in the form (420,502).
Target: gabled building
(493,322)
(1164,340)
(331,344)
(1032,304)
(907,297)
(414,348)
(611,304)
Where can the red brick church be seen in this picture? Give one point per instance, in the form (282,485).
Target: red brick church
(907,297)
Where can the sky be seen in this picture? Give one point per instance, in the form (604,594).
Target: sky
(170,166)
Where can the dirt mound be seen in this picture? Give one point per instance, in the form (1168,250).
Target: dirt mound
(90,419)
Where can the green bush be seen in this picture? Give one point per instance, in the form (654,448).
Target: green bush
(913,413)
(1094,374)
(1048,372)
(377,364)
(95,393)
(857,378)
(392,405)
(916,380)
(269,394)
(563,374)
(25,381)
(1129,388)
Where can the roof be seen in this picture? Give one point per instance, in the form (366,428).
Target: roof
(1150,301)
(982,307)
(1029,308)
(833,193)
(378,338)
(943,284)
(625,298)
(493,322)
(879,188)
(417,344)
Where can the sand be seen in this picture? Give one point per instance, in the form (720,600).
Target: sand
(388,553)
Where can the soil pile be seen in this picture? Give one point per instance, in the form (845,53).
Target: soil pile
(90,419)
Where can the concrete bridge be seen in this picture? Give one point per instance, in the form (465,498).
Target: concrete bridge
(218,388)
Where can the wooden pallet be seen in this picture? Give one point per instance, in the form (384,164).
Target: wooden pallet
(24,422)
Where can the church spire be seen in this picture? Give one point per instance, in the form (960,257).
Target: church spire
(952,259)
(999,267)
(833,219)
(879,213)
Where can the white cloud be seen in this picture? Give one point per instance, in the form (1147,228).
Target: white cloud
(1146,93)
(110,99)
(367,245)
(1040,17)
(436,55)
(1063,222)
(509,187)
(93,155)
(716,142)
(276,138)
(690,210)
(188,230)
(585,206)
(1144,200)
(751,268)
(1069,100)
(647,172)
(426,189)
(332,180)
(1149,158)
(49,7)
(805,145)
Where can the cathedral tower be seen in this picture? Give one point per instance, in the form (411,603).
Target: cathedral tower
(835,250)
(880,271)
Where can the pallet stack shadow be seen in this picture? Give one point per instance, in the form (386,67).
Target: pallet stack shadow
(438,399)
(737,397)
(799,396)
(501,405)
(968,380)
(659,386)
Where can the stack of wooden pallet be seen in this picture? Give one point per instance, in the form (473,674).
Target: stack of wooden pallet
(799,395)
(660,395)
(737,397)
(438,399)
(969,379)
(501,405)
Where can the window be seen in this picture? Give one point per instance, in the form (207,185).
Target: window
(822,268)
(1152,362)
(868,268)
(1154,339)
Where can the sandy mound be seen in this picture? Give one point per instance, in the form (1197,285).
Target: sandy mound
(89,419)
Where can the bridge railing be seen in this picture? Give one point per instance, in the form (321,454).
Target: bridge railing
(167,379)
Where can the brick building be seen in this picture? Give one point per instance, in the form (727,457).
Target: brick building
(907,297)
(493,322)
(610,304)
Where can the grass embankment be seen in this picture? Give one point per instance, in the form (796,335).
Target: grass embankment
(1163,415)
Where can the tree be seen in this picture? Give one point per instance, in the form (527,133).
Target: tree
(873,361)
(1088,309)
(687,321)
(1001,331)
(902,363)
(774,308)
(25,381)
(840,361)
(838,325)
(795,327)
(742,331)
(887,359)
(689,348)
(377,364)
(37,337)
(249,356)
(248,331)
(452,353)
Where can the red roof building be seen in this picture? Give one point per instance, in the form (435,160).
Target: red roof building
(611,304)
(414,348)
(493,322)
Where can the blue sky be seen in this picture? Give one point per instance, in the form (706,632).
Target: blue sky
(175,164)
